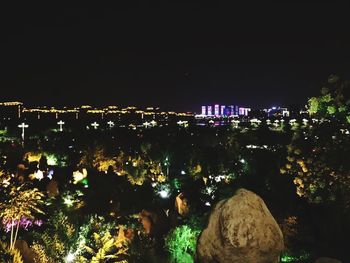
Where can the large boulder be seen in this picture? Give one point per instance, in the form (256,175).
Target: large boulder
(241,230)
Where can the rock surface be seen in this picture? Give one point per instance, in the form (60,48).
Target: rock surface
(241,230)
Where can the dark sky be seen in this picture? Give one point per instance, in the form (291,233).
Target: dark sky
(174,56)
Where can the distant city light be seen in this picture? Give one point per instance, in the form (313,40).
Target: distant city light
(210,111)
(216,109)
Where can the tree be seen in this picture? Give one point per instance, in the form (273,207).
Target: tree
(21,203)
(318,154)
(334,101)
(317,159)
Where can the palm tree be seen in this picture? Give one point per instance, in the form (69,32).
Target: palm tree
(21,203)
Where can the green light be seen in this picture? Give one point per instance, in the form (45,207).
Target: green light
(85,181)
(285,258)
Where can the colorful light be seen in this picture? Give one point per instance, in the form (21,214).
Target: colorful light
(216,109)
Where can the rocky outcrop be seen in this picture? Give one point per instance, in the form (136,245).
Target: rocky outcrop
(240,230)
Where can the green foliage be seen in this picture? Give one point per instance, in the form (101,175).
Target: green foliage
(58,236)
(8,255)
(20,202)
(333,102)
(313,105)
(40,254)
(318,156)
(319,164)
(331,110)
(106,248)
(181,243)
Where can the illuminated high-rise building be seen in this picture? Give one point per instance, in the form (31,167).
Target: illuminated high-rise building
(204,110)
(222,110)
(244,111)
(216,109)
(232,110)
(210,111)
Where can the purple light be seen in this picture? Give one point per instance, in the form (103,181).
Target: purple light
(210,110)
(222,110)
(204,110)
(24,223)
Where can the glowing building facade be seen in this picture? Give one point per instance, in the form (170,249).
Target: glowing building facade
(224,111)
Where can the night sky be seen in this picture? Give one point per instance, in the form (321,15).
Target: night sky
(173,56)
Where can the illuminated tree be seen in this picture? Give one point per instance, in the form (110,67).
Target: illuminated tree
(40,254)
(21,203)
(318,154)
(318,162)
(107,248)
(97,158)
(57,238)
(181,243)
(334,101)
